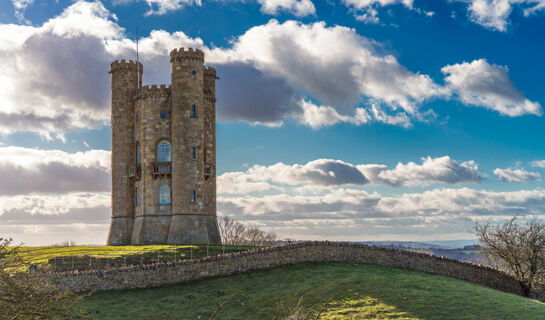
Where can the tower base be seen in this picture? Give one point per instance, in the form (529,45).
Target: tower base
(193,229)
(120,231)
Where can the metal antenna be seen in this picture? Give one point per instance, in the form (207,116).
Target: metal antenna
(137,61)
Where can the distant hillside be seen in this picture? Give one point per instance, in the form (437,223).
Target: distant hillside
(355,291)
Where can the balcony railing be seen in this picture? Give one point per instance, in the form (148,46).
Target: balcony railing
(135,170)
(162,168)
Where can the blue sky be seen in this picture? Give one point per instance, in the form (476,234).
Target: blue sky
(345,120)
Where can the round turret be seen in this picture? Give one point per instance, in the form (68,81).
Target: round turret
(126,65)
(189,54)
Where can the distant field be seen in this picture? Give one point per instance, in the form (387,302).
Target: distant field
(84,257)
(356,292)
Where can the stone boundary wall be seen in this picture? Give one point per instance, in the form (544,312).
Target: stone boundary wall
(143,276)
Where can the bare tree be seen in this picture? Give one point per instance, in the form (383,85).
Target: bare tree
(29,296)
(518,249)
(235,233)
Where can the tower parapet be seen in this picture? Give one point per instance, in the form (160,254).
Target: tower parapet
(189,54)
(154,90)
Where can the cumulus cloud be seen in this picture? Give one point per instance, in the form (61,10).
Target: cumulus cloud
(494,14)
(479,83)
(432,170)
(254,97)
(21,206)
(26,171)
(37,93)
(538,163)
(328,172)
(20,6)
(298,8)
(159,7)
(38,219)
(516,175)
(320,116)
(269,73)
(366,10)
(301,54)
(347,214)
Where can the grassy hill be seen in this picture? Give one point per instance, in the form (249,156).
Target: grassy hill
(355,291)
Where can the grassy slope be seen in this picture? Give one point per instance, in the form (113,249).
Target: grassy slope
(78,255)
(357,292)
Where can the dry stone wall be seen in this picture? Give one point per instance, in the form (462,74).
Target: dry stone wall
(143,276)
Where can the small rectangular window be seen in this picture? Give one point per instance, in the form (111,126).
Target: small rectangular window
(193,196)
(137,197)
(193,153)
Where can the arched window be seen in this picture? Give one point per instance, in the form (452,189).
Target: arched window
(193,196)
(137,153)
(164,194)
(163,152)
(193,111)
(193,153)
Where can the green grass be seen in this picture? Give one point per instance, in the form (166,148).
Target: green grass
(356,292)
(84,257)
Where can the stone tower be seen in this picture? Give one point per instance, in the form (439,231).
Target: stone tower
(164,154)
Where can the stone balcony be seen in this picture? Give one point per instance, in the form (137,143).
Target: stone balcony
(162,168)
(135,170)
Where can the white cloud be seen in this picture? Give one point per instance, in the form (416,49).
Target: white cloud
(320,116)
(333,213)
(159,7)
(366,10)
(26,171)
(432,170)
(53,205)
(20,6)
(347,214)
(37,93)
(303,56)
(269,72)
(479,83)
(328,172)
(84,19)
(516,175)
(538,163)
(494,14)
(298,8)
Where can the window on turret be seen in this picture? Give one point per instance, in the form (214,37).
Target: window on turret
(193,110)
(193,153)
(137,197)
(193,196)
(193,72)
(164,152)
(164,194)
(137,153)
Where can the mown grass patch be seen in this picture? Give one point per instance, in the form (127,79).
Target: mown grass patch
(355,291)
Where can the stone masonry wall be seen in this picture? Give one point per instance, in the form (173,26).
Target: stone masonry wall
(170,273)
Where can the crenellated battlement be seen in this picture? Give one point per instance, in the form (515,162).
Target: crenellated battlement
(189,54)
(125,65)
(209,72)
(155,90)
